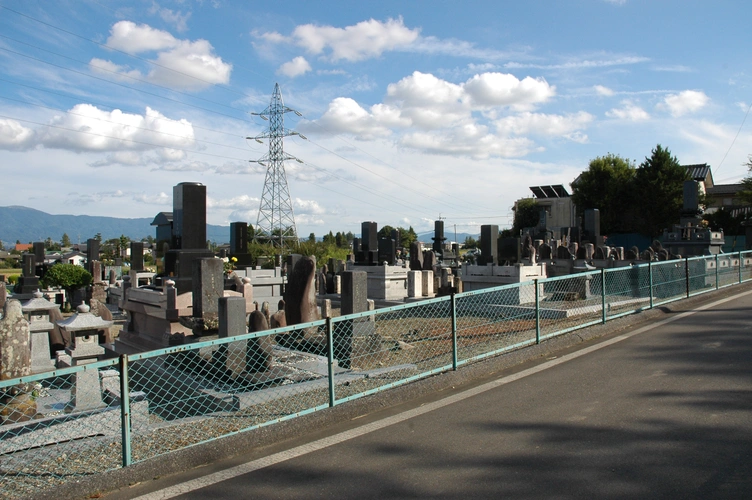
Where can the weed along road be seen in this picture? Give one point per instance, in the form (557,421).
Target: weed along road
(658,410)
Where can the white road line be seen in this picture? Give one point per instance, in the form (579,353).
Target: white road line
(283,456)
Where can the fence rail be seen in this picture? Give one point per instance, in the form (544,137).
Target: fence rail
(67,424)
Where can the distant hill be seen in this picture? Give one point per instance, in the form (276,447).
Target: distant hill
(28,225)
(427,237)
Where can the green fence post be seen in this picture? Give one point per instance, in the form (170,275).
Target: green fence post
(453,302)
(740,267)
(686,273)
(603,294)
(716,272)
(650,282)
(125,411)
(330,358)
(537,312)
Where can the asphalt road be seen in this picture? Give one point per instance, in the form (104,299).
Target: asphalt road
(664,412)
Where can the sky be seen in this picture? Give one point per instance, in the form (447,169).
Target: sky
(407,111)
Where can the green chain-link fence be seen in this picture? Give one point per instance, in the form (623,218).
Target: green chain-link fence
(66,424)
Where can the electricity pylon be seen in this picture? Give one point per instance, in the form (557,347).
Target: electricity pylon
(276,220)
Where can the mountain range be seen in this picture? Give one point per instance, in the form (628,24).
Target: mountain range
(28,225)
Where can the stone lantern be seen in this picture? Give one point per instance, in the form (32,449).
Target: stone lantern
(37,312)
(84,348)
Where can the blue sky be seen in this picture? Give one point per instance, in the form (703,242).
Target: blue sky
(411,110)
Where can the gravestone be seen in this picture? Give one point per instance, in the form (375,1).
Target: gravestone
(59,339)
(354,300)
(231,324)
(28,282)
(427,283)
(387,249)
(416,256)
(17,402)
(15,342)
(208,287)
(189,216)
(92,253)
(300,294)
(278,319)
(563,252)
(415,283)
(96,271)
(489,241)
(3,294)
(321,281)
(429,260)
(544,252)
(137,256)
(592,230)
(438,236)
(258,355)
(38,252)
(238,238)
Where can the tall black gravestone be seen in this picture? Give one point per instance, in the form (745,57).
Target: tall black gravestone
(489,244)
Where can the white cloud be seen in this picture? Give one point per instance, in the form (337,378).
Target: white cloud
(503,89)
(87,128)
(687,101)
(129,158)
(15,136)
(310,207)
(111,69)
(616,2)
(361,41)
(178,19)
(598,61)
(470,140)
(190,65)
(604,91)
(344,115)
(629,111)
(129,37)
(180,64)
(242,202)
(545,124)
(676,68)
(158,199)
(296,67)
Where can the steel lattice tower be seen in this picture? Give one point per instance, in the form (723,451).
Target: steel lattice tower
(276,220)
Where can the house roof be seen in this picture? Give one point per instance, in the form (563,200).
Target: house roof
(24,247)
(162,218)
(724,189)
(700,172)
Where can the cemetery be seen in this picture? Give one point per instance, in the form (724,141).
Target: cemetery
(164,353)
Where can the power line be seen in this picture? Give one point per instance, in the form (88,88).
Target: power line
(734,141)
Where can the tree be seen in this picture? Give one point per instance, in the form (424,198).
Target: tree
(312,238)
(65,240)
(69,277)
(608,185)
(471,242)
(660,191)
(408,236)
(526,214)
(98,237)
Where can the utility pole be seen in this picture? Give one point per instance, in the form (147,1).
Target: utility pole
(275,210)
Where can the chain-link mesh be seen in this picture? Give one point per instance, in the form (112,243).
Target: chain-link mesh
(202,392)
(494,320)
(67,424)
(382,347)
(570,302)
(627,289)
(59,428)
